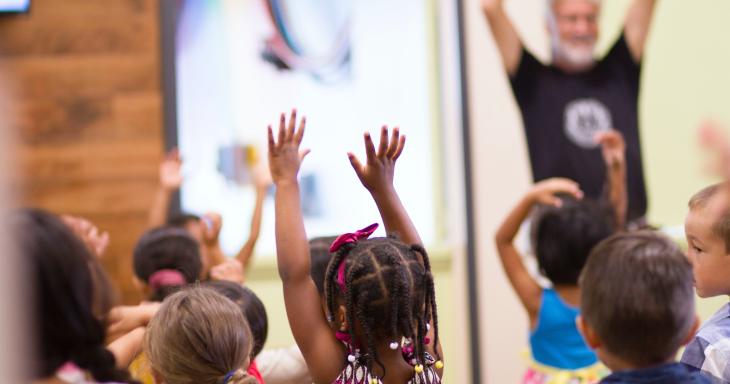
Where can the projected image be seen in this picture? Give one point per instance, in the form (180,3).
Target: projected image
(349,66)
(14,5)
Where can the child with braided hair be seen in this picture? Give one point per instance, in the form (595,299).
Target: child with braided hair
(379,292)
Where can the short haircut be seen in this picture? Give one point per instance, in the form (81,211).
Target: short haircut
(180,220)
(722,226)
(564,236)
(637,294)
(167,248)
(251,307)
(319,251)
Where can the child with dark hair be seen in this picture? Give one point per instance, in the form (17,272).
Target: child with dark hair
(638,308)
(379,292)
(564,231)
(71,296)
(165,260)
(205,229)
(707,228)
(319,252)
(254,311)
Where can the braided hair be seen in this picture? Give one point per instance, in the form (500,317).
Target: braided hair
(389,291)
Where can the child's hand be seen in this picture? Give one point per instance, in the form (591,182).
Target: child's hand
(170,171)
(714,141)
(285,157)
(377,173)
(613,148)
(212,223)
(123,319)
(231,270)
(545,191)
(96,241)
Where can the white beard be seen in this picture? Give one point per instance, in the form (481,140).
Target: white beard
(580,58)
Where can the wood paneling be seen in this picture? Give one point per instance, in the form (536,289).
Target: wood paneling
(88,105)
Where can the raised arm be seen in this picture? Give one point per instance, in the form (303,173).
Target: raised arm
(505,35)
(613,148)
(377,177)
(212,224)
(262,182)
(310,328)
(126,348)
(170,181)
(636,27)
(526,287)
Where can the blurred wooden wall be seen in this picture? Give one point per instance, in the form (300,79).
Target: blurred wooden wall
(89,106)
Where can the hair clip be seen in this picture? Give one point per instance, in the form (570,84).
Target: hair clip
(394,345)
(374,380)
(351,358)
(418,368)
(439,365)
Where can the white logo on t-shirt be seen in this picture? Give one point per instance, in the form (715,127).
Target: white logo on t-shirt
(583,119)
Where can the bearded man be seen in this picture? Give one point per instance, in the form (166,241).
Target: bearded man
(566,103)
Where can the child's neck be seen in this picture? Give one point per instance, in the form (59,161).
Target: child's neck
(569,294)
(397,370)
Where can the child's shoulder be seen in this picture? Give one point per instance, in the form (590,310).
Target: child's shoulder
(717,327)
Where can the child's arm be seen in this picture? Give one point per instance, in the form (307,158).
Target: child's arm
(526,287)
(126,348)
(377,177)
(124,319)
(613,148)
(212,223)
(244,255)
(170,181)
(322,352)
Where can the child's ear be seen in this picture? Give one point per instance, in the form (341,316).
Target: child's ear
(692,331)
(589,335)
(342,318)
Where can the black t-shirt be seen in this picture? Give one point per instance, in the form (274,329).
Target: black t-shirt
(563,111)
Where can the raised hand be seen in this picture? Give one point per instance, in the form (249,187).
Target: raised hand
(613,148)
(95,241)
(285,157)
(170,171)
(212,223)
(378,171)
(546,191)
(231,270)
(714,140)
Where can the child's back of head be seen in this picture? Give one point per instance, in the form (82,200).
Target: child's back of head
(166,259)
(251,307)
(637,300)
(199,336)
(387,288)
(71,293)
(564,236)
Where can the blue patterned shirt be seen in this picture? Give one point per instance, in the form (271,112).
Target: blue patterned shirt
(709,351)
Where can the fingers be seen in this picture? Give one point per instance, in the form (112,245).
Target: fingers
(272,144)
(369,147)
(399,149)
(282,129)
(355,162)
(300,133)
(292,124)
(393,144)
(383,148)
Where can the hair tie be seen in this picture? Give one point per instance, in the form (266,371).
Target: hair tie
(229,375)
(166,278)
(349,238)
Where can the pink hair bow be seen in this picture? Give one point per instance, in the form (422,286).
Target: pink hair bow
(349,238)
